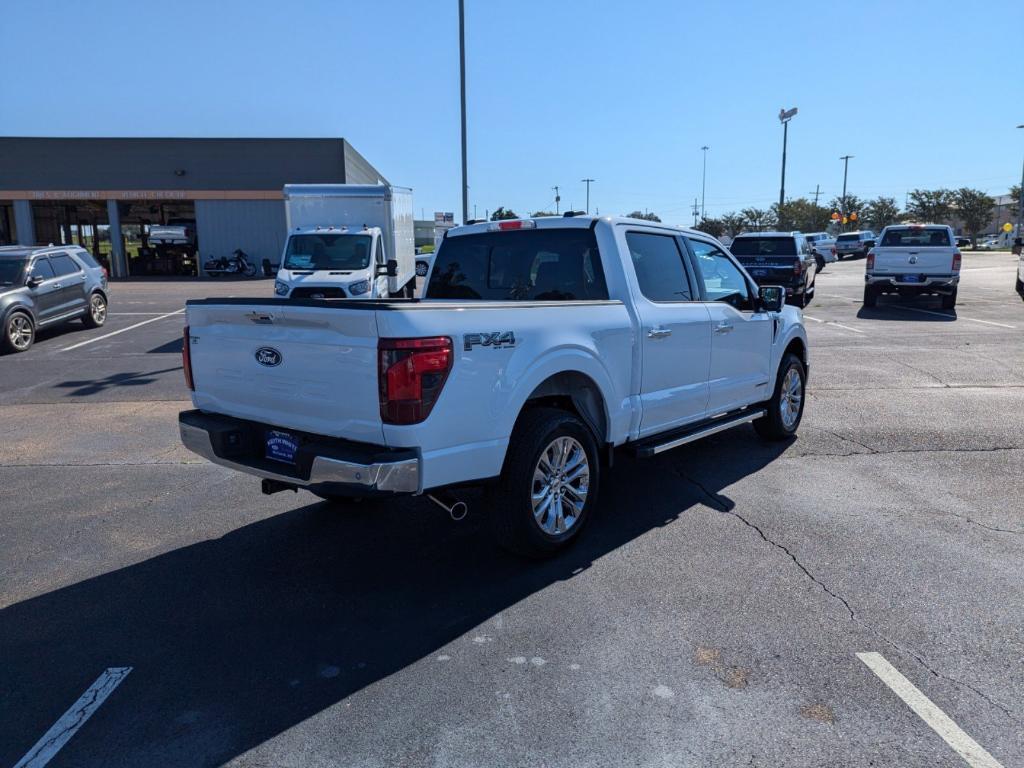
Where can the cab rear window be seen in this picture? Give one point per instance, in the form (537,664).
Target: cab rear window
(763,246)
(521,265)
(918,237)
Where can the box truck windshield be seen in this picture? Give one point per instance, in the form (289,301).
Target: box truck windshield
(334,252)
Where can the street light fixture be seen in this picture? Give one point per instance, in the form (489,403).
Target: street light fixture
(462,95)
(1020,200)
(846,166)
(785,115)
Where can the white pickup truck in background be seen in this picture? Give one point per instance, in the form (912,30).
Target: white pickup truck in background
(913,260)
(541,345)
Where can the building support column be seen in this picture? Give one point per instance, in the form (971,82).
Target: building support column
(118,262)
(23,222)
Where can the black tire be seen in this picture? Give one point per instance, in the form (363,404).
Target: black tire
(509,500)
(18,324)
(801,300)
(1020,286)
(773,426)
(870,296)
(250,270)
(949,302)
(820,261)
(96,313)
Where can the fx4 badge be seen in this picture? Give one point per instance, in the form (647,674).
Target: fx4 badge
(496,340)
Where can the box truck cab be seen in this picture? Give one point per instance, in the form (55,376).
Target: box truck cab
(347,241)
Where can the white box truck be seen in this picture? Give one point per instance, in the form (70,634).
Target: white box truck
(347,241)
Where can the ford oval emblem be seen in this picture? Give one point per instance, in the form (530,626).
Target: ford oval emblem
(268,356)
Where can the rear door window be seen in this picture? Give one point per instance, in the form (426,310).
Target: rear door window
(521,265)
(659,266)
(86,258)
(64,265)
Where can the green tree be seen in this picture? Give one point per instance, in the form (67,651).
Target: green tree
(801,214)
(538,214)
(644,216)
(714,227)
(931,206)
(757,219)
(975,208)
(881,212)
(1015,195)
(734,223)
(504,213)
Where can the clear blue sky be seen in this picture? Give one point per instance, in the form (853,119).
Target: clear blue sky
(922,94)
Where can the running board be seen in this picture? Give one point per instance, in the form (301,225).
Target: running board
(656,444)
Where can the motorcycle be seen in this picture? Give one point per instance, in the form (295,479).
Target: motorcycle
(237,264)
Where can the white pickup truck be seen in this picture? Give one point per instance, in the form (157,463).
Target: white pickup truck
(540,346)
(913,260)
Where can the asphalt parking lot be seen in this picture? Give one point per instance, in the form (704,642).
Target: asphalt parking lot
(712,615)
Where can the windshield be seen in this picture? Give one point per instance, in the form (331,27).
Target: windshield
(12,272)
(764,246)
(524,265)
(917,237)
(338,252)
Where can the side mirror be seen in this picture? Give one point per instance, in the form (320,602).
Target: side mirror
(771,298)
(869,243)
(392,268)
(34,282)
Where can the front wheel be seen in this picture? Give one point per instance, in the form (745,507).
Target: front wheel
(786,407)
(548,487)
(19,333)
(97,314)
(250,270)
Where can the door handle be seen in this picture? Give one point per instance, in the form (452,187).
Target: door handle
(723,327)
(658,332)
(57,285)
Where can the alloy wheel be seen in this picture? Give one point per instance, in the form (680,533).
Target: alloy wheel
(561,481)
(792,396)
(20,332)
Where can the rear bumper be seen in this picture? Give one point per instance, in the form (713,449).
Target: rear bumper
(931,283)
(330,465)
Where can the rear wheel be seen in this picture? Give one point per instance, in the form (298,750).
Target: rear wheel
(948,302)
(1020,286)
(786,408)
(870,296)
(19,333)
(97,313)
(820,261)
(250,270)
(548,487)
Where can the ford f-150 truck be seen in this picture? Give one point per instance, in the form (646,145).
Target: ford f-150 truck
(540,346)
(913,260)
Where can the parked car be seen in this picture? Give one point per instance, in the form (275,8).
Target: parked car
(823,246)
(854,243)
(42,287)
(988,244)
(962,241)
(779,258)
(424,258)
(541,346)
(913,260)
(1020,274)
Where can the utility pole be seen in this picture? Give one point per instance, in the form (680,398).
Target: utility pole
(785,115)
(816,193)
(846,167)
(703,180)
(1020,201)
(558,199)
(696,210)
(462,94)
(588,182)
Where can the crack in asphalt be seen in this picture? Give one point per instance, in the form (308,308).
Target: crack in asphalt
(719,506)
(929,374)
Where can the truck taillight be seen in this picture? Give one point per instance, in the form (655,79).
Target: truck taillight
(871,260)
(186,361)
(833,250)
(410,376)
(956,261)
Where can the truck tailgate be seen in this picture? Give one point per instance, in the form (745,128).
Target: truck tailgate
(308,368)
(924,260)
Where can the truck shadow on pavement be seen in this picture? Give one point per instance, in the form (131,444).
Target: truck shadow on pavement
(906,312)
(237,639)
(86,387)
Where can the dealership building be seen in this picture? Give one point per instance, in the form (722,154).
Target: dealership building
(105,194)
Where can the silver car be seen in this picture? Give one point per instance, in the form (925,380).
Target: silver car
(43,287)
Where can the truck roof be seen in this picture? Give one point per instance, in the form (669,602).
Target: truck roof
(383,191)
(562,222)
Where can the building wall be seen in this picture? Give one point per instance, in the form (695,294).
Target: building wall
(255,226)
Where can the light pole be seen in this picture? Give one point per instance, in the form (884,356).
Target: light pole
(785,115)
(1020,201)
(558,198)
(588,182)
(846,167)
(703,180)
(462,94)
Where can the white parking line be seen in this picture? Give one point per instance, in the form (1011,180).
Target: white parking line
(832,322)
(114,333)
(937,720)
(62,731)
(927,312)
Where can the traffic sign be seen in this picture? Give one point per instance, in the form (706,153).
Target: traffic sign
(835,216)
(1007,227)
(853,216)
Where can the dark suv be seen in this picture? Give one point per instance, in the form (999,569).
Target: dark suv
(41,287)
(779,258)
